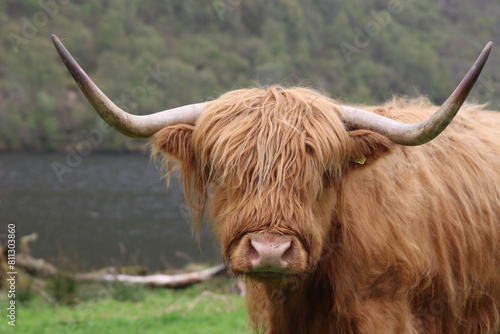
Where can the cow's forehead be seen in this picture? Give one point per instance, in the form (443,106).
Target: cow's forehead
(271,134)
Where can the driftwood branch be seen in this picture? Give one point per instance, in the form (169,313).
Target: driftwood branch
(36,267)
(24,260)
(159,280)
(41,268)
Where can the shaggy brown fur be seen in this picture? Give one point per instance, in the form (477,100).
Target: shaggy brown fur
(406,243)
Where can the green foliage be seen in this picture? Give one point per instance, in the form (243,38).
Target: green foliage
(64,289)
(126,292)
(359,51)
(206,308)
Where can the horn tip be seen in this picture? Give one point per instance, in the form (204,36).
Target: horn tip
(481,60)
(489,45)
(57,42)
(487,48)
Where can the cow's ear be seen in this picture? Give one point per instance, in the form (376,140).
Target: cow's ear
(175,141)
(367,147)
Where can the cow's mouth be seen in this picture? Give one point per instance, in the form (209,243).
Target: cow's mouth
(270,277)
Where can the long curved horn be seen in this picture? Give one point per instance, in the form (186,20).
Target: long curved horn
(419,133)
(137,126)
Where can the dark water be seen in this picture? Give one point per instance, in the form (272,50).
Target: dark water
(109,210)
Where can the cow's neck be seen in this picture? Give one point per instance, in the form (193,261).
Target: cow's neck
(302,306)
(298,307)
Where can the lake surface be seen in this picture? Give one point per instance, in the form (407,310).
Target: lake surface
(104,210)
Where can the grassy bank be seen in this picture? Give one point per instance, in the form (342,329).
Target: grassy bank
(117,308)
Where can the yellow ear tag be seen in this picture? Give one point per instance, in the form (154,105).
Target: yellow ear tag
(359,160)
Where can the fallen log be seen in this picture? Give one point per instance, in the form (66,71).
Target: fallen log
(43,269)
(24,260)
(36,267)
(157,280)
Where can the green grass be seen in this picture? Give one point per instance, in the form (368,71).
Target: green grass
(109,309)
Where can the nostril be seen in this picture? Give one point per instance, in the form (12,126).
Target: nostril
(288,254)
(252,253)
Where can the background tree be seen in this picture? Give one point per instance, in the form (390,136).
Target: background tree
(356,51)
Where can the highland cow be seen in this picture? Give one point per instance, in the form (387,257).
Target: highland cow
(341,219)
